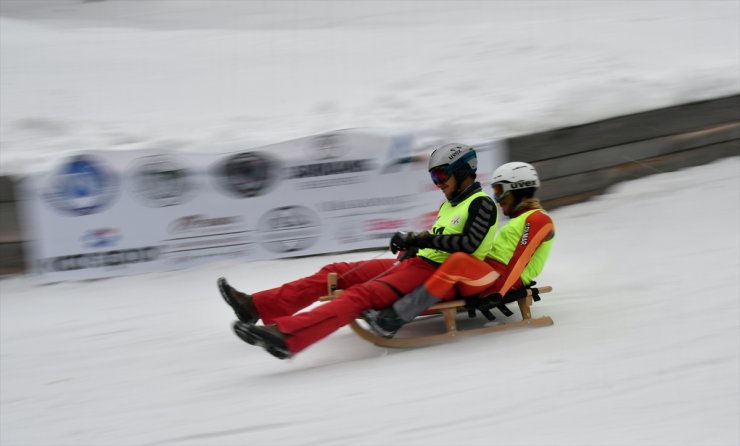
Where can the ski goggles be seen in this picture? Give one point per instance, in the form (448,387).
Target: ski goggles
(440,174)
(499,192)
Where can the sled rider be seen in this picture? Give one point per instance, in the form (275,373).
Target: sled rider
(466,223)
(518,255)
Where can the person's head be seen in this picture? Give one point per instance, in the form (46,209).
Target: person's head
(452,168)
(512,183)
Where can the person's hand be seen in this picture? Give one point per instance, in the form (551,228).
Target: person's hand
(400,241)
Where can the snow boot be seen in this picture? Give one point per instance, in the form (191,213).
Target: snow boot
(384,323)
(241,303)
(387,322)
(265,336)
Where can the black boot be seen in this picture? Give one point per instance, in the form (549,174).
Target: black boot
(241,303)
(387,322)
(384,323)
(265,336)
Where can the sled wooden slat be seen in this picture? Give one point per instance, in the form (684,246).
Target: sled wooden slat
(449,310)
(420,341)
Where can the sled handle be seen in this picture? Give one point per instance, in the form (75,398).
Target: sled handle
(332,290)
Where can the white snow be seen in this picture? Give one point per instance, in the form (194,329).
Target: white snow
(645,349)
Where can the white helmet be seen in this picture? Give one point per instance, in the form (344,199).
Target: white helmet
(459,160)
(515,176)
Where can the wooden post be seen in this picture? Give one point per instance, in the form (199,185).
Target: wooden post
(450,315)
(331,284)
(524,304)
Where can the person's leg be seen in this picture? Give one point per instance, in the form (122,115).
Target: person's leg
(498,284)
(306,328)
(460,275)
(460,271)
(294,296)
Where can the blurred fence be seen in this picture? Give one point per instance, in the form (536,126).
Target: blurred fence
(11,245)
(578,162)
(575,163)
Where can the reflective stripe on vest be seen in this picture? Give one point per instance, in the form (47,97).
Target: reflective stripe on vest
(507,240)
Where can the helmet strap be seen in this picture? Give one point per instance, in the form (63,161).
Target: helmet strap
(462,173)
(463,192)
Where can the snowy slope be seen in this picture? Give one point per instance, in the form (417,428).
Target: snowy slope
(645,348)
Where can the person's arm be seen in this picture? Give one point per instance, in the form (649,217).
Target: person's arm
(538,228)
(481,216)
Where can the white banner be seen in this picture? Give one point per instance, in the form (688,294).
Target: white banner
(108,213)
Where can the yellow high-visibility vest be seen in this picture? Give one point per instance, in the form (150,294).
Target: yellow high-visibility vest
(451,220)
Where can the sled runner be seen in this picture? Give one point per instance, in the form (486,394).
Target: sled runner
(449,310)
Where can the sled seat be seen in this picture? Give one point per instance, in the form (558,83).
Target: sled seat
(449,310)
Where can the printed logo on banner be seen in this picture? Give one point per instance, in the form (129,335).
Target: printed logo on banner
(355,166)
(247,174)
(106,259)
(327,170)
(162,180)
(100,238)
(327,146)
(289,229)
(393,203)
(198,237)
(81,186)
(198,222)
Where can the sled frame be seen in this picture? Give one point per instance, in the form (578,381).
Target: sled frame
(449,310)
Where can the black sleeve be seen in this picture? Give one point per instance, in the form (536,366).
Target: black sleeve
(481,216)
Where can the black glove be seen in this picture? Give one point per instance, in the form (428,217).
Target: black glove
(402,241)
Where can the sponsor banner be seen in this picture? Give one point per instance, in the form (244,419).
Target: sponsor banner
(108,213)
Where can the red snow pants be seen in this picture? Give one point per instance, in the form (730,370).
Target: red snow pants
(367,284)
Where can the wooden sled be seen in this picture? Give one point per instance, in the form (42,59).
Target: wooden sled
(449,310)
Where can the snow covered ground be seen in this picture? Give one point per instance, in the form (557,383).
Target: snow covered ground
(645,349)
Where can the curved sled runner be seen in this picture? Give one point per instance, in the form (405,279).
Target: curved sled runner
(449,311)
